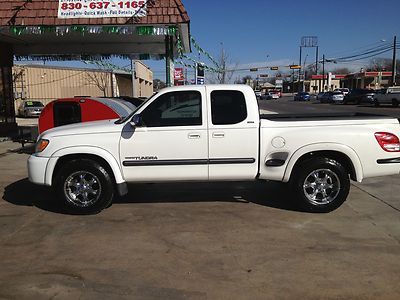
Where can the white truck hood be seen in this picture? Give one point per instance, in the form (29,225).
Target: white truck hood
(103,126)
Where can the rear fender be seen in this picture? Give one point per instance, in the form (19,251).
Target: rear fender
(330,147)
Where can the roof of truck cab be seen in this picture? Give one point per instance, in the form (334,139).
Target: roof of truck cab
(212,86)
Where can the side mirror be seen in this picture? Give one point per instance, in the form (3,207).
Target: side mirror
(135,121)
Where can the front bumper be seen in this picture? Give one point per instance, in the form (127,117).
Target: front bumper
(37,169)
(33,113)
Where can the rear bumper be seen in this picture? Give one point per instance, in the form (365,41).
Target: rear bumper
(37,169)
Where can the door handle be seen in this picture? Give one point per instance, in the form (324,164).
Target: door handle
(194,135)
(218,135)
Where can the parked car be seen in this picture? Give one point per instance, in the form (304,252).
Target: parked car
(344,91)
(336,97)
(265,96)
(278,92)
(391,95)
(325,97)
(258,94)
(359,96)
(302,96)
(30,109)
(83,109)
(274,95)
(320,96)
(88,163)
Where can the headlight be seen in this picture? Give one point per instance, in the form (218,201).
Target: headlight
(41,145)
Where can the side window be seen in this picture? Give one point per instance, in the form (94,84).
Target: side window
(228,107)
(174,109)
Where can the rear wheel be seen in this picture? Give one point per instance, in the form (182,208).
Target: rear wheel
(84,186)
(320,184)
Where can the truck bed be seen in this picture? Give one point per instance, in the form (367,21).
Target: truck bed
(322,117)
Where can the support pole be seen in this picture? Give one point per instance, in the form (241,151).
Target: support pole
(394,62)
(133,77)
(168,58)
(6,85)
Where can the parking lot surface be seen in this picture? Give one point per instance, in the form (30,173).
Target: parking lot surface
(196,241)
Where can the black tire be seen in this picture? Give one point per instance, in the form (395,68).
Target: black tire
(395,103)
(84,186)
(320,184)
(376,103)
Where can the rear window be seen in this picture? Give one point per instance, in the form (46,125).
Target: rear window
(228,107)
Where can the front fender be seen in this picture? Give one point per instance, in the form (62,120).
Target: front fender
(75,150)
(346,150)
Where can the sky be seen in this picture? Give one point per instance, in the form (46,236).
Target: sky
(265,32)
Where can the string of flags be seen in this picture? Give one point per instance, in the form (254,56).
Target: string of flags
(90,29)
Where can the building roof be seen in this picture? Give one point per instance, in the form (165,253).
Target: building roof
(33,29)
(44,13)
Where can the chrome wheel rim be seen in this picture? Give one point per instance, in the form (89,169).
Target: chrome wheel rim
(82,189)
(321,186)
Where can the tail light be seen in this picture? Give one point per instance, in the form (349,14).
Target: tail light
(388,141)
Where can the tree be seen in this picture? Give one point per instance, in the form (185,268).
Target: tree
(246,79)
(341,71)
(158,84)
(101,79)
(382,64)
(225,69)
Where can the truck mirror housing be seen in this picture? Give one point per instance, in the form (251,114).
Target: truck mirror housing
(135,121)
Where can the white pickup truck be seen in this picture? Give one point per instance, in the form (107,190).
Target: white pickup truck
(214,133)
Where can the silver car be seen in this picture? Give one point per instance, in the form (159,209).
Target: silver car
(336,97)
(30,109)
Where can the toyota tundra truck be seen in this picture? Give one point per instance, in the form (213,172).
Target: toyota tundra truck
(214,133)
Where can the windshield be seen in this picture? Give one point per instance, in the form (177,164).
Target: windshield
(33,104)
(124,119)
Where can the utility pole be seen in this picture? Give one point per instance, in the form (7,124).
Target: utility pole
(316,61)
(323,73)
(394,62)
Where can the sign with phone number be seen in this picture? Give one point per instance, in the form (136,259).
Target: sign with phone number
(69,9)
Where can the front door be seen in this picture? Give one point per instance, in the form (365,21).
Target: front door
(170,143)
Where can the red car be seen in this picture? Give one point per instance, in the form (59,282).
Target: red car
(82,109)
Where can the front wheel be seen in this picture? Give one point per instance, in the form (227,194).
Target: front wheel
(320,184)
(84,186)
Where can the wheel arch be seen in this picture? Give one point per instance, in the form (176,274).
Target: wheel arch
(99,155)
(341,153)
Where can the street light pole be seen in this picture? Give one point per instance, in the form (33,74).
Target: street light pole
(304,72)
(323,73)
(298,80)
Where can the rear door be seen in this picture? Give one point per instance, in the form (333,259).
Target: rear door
(233,135)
